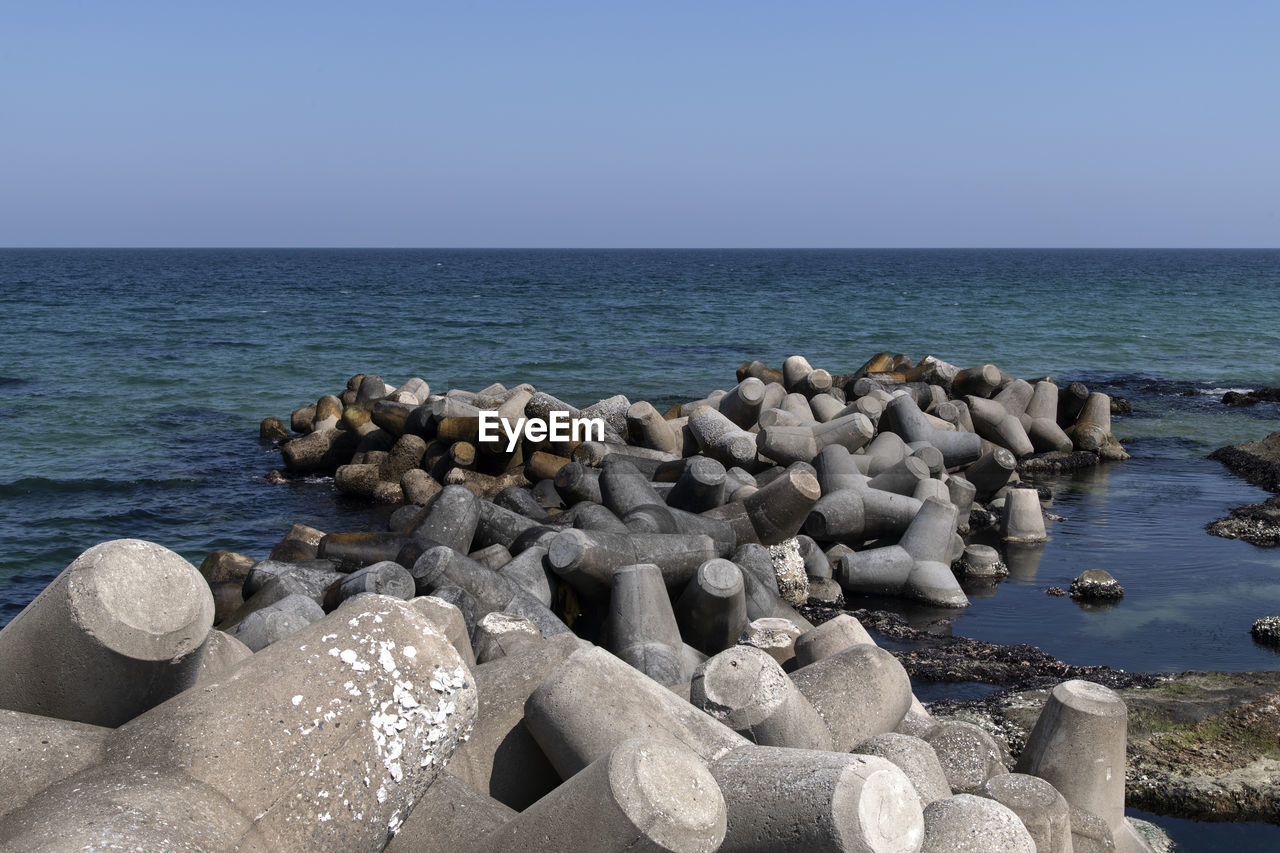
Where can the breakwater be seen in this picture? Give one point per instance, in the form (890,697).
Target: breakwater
(652,581)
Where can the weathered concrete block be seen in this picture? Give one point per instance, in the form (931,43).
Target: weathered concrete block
(379,690)
(120,630)
(800,799)
(829,638)
(594,701)
(915,757)
(500,635)
(39,751)
(747,690)
(501,758)
(1042,810)
(644,794)
(966,822)
(860,692)
(642,625)
(968,754)
(450,817)
(1078,746)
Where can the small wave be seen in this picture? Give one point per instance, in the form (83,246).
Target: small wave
(1218,392)
(36,485)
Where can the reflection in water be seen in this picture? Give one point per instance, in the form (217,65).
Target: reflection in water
(1190,598)
(1023,560)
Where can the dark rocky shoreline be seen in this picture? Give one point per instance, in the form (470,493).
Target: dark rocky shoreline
(1259,463)
(1202,745)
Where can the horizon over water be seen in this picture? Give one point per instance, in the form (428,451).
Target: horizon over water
(133,381)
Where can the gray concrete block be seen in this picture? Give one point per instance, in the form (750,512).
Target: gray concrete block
(799,799)
(221,653)
(1078,746)
(501,758)
(914,757)
(642,626)
(500,635)
(377,689)
(121,630)
(968,754)
(644,794)
(829,638)
(1042,810)
(594,701)
(747,690)
(39,751)
(450,817)
(969,823)
(860,692)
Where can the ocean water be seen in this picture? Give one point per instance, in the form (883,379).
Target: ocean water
(132,382)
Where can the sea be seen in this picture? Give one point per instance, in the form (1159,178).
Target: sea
(132,383)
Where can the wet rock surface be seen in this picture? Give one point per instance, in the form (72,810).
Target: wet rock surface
(1256,461)
(1095,585)
(1257,524)
(1202,745)
(1267,630)
(939,658)
(1259,463)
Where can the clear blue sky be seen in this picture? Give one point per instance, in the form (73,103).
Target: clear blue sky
(594,124)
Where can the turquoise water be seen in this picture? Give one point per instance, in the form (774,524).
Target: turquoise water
(132,382)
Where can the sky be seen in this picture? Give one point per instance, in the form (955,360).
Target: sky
(656,124)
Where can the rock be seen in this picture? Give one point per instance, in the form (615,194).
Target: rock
(273,430)
(1256,461)
(1267,630)
(1235,398)
(1095,585)
(1257,524)
(1055,591)
(788,566)
(226,566)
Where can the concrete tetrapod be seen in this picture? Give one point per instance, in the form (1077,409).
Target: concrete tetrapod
(859,692)
(829,638)
(905,418)
(913,756)
(594,701)
(38,751)
(746,689)
(501,758)
(449,811)
(1078,746)
(642,626)
(780,507)
(775,636)
(859,514)
(801,799)
(586,560)
(119,631)
(500,635)
(643,795)
(919,566)
(1022,520)
(374,689)
(1042,810)
(712,610)
(973,824)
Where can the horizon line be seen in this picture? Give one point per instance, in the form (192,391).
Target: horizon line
(649,248)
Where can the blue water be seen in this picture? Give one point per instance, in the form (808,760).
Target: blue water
(132,382)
